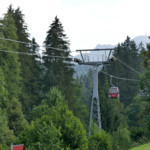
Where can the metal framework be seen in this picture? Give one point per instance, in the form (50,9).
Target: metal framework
(95,114)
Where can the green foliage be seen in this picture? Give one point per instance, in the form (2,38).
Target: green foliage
(6,135)
(4,101)
(125,52)
(146,56)
(144,119)
(71,134)
(53,97)
(146,125)
(58,71)
(33,82)
(116,115)
(121,139)
(17,121)
(53,125)
(136,133)
(100,141)
(30,65)
(144,84)
(80,108)
(112,110)
(41,134)
(145,77)
(9,61)
(86,82)
(40,110)
(133,112)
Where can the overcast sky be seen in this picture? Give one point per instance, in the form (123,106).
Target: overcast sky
(86,22)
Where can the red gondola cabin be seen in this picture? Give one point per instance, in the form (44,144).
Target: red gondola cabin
(114,92)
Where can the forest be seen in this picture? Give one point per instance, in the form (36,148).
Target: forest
(44,107)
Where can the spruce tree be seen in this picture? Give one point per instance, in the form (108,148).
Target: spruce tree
(10,75)
(10,61)
(30,71)
(58,67)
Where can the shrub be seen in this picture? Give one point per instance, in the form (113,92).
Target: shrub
(121,139)
(100,141)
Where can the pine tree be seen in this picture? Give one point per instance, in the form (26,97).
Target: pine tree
(30,71)
(9,61)
(58,67)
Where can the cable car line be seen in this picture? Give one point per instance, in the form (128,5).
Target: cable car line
(7,51)
(60,49)
(111,81)
(6,39)
(32,54)
(120,77)
(127,65)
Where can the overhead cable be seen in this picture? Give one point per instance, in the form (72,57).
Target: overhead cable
(7,51)
(27,43)
(127,65)
(119,77)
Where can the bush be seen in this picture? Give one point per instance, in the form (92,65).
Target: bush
(100,141)
(136,133)
(121,139)
(54,127)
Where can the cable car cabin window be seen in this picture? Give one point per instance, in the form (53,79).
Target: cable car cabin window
(114,90)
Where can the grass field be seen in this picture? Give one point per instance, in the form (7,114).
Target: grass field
(142,147)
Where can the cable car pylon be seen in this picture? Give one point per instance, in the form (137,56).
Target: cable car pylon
(95,114)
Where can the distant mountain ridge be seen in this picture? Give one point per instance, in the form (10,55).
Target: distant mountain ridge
(143,38)
(99,46)
(138,40)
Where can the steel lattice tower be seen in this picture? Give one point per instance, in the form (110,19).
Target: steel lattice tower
(95,114)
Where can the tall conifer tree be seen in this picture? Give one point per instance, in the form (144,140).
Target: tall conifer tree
(58,67)
(29,64)
(36,78)
(10,86)
(10,61)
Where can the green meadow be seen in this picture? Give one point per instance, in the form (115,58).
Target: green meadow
(142,147)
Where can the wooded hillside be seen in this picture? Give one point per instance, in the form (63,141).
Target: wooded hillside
(43,107)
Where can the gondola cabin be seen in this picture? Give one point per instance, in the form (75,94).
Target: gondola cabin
(114,92)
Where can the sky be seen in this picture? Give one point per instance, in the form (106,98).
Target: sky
(87,23)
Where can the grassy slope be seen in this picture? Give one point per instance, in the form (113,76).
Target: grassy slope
(142,147)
